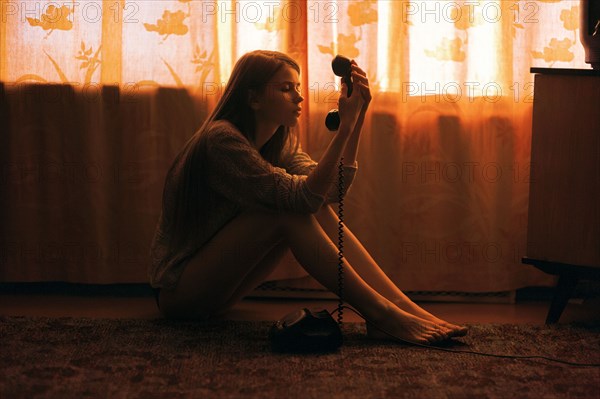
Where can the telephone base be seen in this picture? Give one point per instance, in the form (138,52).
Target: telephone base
(306,331)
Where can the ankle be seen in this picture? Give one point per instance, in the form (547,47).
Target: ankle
(381,313)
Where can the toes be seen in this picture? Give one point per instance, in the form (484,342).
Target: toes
(434,335)
(426,340)
(448,333)
(462,331)
(454,330)
(443,332)
(459,331)
(433,339)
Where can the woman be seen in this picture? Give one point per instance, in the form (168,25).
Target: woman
(242,192)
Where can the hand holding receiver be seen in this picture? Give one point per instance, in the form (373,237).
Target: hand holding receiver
(349,107)
(361,82)
(348,71)
(342,67)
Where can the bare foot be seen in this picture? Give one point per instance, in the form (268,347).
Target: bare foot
(414,309)
(407,327)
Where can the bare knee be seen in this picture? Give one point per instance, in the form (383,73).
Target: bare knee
(279,224)
(292,220)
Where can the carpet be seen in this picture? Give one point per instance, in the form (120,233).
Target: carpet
(116,358)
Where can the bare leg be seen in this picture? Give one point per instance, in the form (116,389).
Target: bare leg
(258,274)
(214,275)
(319,256)
(370,271)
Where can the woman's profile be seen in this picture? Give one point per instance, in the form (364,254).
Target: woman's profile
(242,192)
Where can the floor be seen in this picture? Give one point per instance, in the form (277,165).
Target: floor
(529,311)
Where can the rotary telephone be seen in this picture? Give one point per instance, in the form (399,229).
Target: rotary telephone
(315,330)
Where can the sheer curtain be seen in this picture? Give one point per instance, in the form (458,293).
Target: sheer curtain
(441,197)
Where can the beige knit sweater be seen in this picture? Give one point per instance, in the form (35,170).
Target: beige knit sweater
(241,180)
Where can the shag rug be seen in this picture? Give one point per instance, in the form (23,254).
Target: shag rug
(117,358)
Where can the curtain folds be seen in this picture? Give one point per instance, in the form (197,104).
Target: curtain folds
(82,179)
(98,96)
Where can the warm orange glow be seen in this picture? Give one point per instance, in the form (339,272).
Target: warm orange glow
(440,39)
(225,40)
(383,35)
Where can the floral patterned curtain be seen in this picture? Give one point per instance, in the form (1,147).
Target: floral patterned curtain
(192,43)
(441,198)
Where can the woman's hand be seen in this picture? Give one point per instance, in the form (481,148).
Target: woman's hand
(349,107)
(361,82)
(358,102)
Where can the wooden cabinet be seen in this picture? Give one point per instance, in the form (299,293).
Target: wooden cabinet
(564,199)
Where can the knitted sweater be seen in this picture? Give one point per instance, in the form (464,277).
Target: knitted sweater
(242,180)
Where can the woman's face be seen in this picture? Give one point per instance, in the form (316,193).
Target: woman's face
(279,103)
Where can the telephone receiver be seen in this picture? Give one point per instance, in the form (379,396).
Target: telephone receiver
(342,67)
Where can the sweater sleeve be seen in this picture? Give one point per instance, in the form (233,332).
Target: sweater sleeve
(300,163)
(238,172)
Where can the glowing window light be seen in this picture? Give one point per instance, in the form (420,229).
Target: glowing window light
(225,24)
(383,35)
(439,61)
(482,65)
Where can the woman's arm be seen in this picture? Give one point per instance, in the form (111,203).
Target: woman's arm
(361,83)
(351,150)
(352,114)
(320,179)
(234,169)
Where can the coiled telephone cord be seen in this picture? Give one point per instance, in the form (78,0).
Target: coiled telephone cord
(340,309)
